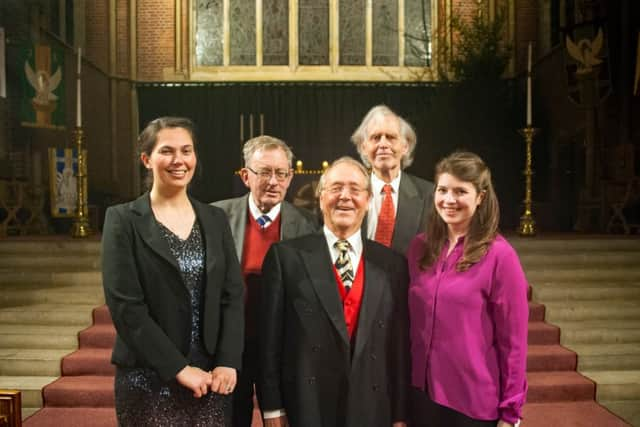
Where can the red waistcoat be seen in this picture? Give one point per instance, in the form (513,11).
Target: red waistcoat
(351,301)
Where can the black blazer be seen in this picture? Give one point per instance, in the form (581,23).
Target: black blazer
(307,365)
(147,298)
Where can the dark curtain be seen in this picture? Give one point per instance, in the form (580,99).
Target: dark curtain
(317,120)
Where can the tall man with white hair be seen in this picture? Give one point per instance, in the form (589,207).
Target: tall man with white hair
(258,219)
(400,203)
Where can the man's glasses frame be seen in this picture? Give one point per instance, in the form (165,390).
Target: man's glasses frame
(266,174)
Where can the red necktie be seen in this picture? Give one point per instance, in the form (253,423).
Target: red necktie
(386,219)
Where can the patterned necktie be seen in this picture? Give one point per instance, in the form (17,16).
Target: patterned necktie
(343,263)
(263,220)
(386,219)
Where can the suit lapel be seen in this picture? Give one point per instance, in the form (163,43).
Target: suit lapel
(237,216)
(146,226)
(407,215)
(318,263)
(206,223)
(374,286)
(288,223)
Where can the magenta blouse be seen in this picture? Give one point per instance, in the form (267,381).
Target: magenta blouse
(469,331)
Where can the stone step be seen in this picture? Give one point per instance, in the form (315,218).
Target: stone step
(550,358)
(93,295)
(596,357)
(584,274)
(591,310)
(574,243)
(48,314)
(29,386)
(38,336)
(615,385)
(31,362)
(629,410)
(40,246)
(590,291)
(59,261)
(32,277)
(558,386)
(27,412)
(600,332)
(85,390)
(601,258)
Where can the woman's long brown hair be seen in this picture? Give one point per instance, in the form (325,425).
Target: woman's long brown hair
(467,167)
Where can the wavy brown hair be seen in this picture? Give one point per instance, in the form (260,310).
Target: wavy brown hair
(467,167)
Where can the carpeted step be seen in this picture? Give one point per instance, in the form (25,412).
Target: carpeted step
(72,417)
(559,386)
(101,315)
(48,314)
(550,358)
(31,362)
(536,312)
(569,414)
(609,357)
(38,336)
(591,310)
(88,361)
(85,390)
(101,335)
(541,333)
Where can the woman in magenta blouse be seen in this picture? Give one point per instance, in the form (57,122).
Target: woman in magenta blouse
(468,306)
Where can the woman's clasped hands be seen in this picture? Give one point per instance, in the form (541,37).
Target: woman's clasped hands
(221,380)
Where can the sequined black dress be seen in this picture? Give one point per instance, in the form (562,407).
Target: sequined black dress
(142,397)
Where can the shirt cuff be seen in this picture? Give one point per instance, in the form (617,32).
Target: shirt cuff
(276,413)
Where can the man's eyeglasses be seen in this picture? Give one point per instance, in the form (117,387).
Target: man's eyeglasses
(266,174)
(338,189)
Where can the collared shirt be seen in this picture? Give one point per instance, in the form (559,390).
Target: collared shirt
(355,252)
(257,213)
(469,330)
(375,204)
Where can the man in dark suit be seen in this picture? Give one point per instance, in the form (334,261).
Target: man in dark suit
(333,328)
(258,219)
(401,202)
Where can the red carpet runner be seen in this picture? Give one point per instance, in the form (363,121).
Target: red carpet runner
(558,395)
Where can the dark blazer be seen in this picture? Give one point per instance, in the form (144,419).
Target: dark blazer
(147,298)
(307,365)
(295,222)
(415,197)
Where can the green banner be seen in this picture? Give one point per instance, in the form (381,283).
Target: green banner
(43,100)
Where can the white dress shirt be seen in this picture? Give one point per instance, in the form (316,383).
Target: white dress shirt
(257,213)
(375,204)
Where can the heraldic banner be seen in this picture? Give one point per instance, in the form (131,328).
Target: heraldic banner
(43,100)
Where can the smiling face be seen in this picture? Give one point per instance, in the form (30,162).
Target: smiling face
(344,199)
(172,160)
(456,201)
(384,147)
(267,192)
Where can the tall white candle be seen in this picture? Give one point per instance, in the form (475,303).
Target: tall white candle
(529,121)
(79,92)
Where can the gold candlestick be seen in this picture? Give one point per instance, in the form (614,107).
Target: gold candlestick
(527,223)
(80,226)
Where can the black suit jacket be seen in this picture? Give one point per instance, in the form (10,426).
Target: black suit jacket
(415,197)
(307,366)
(148,300)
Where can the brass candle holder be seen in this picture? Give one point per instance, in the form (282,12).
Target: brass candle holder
(80,226)
(527,225)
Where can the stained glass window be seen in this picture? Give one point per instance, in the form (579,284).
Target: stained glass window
(417,22)
(385,32)
(208,32)
(275,30)
(352,32)
(242,32)
(313,32)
